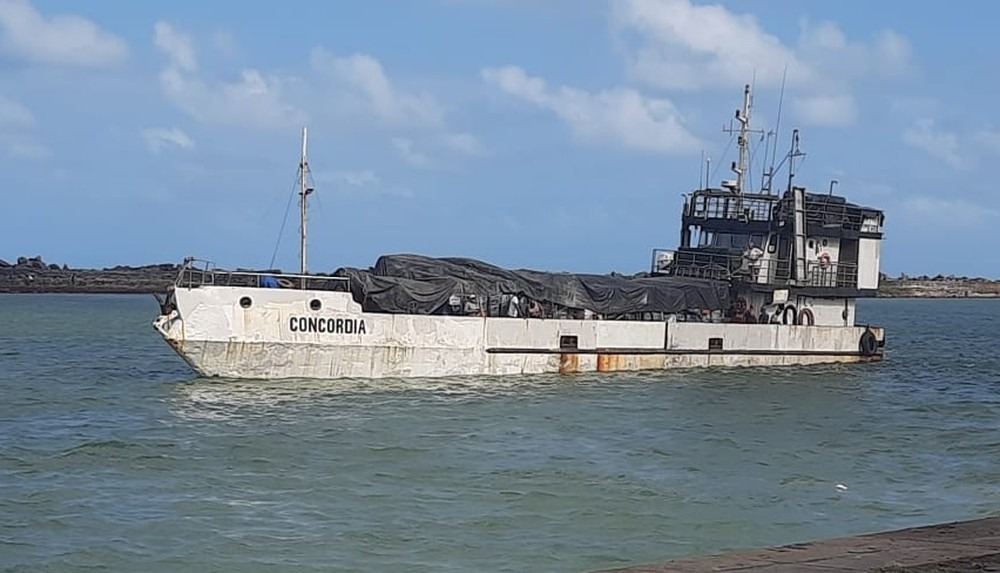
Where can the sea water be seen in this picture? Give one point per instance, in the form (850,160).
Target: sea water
(114,457)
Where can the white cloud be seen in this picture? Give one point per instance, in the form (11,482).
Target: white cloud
(17,131)
(621,115)
(365,178)
(433,151)
(178,46)
(64,39)
(407,149)
(924,135)
(953,212)
(13,115)
(363,182)
(352,88)
(464,143)
(365,75)
(962,149)
(23,148)
(345,88)
(682,46)
(254,100)
(161,138)
(829,53)
(830,110)
(675,44)
(678,45)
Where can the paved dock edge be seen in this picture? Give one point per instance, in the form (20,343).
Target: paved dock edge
(954,547)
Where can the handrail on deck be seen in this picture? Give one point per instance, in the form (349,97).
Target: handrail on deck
(196,273)
(778,272)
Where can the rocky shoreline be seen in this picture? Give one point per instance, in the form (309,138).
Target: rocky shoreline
(938,287)
(33,275)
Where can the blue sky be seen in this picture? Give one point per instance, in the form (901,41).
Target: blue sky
(555,134)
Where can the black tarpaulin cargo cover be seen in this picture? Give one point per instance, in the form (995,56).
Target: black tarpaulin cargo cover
(418,284)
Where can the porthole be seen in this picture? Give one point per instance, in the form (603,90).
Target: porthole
(245,302)
(824,242)
(315,304)
(811,244)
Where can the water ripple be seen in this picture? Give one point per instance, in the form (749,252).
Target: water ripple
(113,457)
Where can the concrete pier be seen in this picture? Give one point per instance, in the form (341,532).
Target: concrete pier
(956,547)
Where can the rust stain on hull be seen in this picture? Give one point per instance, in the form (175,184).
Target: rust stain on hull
(569,363)
(629,362)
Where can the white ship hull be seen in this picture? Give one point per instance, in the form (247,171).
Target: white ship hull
(280,335)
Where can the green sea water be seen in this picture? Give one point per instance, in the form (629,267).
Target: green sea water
(113,457)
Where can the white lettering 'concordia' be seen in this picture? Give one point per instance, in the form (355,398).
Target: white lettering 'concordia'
(327,325)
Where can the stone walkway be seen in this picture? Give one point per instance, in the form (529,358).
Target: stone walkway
(958,547)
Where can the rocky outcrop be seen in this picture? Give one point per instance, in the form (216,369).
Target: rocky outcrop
(32,274)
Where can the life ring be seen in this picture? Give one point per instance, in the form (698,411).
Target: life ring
(784,314)
(824,259)
(804,314)
(286,283)
(868,344)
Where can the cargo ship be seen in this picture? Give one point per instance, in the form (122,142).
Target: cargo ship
(759,278)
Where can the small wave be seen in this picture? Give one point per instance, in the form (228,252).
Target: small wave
(104,447)
(384,449)
(800,479)
(95,447)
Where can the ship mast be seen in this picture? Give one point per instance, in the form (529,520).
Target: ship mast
(304,191)
(741,166)
(743,141)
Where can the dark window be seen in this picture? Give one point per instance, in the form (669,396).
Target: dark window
(245,302)
(315,304)
(715,344)
(567,342)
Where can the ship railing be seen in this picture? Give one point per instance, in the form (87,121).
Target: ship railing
(197,273)
(831,275)
(730,206)
(726,266)
(830,215)
(833,216)
(717,266)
